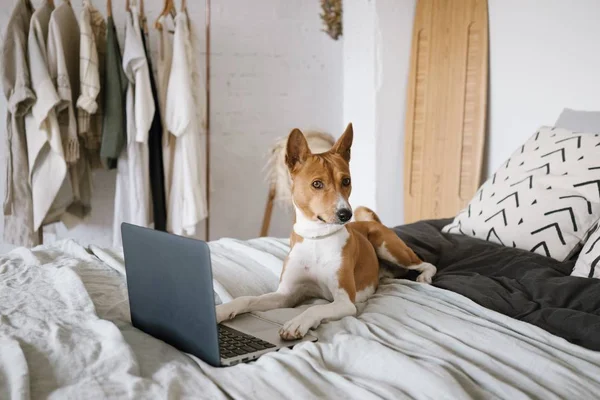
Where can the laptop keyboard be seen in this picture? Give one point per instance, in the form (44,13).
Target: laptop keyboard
(233,343)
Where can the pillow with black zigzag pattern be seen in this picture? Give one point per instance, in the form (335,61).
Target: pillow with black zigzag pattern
(545,198)
(588,261)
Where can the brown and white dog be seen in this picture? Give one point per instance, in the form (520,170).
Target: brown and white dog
(330,257)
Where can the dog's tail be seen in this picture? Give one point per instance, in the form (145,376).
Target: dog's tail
(365,214)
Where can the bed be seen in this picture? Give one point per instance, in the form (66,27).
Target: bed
(497,323)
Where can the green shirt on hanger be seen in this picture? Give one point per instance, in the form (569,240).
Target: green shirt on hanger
(115,84)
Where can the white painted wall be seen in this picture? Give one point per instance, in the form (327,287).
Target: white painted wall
(273,69)
(394,22)
(377,36)
(544,56)
(359,22)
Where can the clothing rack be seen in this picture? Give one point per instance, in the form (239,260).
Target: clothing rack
(207,86)
(207,27)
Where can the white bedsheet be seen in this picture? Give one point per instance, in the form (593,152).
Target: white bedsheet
(65,333)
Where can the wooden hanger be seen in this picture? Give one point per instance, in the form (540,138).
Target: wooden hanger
(169,8)
(51,3)
(127,6)
(109,8)
(143,18)
(183,6)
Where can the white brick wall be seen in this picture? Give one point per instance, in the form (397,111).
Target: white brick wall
(272,70)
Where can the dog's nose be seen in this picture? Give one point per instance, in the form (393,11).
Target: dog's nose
(344,214)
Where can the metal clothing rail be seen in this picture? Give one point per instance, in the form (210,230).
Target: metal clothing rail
(207,88)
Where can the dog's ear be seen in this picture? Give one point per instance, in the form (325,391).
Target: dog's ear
(343,144)
(297,150)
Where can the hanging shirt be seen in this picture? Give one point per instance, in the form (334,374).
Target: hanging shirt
(63,64)
(132,196)
(114,88)
(184,114)
(91,69)
(165,58)
(157,178)
(47,166)
(16,84)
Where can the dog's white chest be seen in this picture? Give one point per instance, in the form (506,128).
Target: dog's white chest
(313,264)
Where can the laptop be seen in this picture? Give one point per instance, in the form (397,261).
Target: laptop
(171,297)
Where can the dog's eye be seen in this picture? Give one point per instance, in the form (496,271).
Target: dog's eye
(317,184)
(346,181)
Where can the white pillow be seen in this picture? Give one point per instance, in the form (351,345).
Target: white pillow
(579,121)
(589,258)
(545,198)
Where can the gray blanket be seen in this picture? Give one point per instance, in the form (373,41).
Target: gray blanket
(516,283)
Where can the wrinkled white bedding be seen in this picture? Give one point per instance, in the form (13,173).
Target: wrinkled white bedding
(65,333)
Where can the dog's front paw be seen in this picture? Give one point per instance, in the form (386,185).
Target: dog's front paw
(295,328)
(428,271)
(425,278)
(225,312)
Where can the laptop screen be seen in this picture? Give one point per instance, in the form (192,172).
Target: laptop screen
(169,280)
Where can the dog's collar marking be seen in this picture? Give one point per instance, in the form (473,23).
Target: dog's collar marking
(316,230)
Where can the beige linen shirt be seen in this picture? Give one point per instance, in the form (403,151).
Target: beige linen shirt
(16,84)
(91,72)
(63,63)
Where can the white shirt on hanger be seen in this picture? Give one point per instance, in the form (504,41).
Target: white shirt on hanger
(63,64)
(132,198)
(184,115)
(47,165)
(165,58)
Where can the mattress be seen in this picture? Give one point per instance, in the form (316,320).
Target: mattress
(65,332)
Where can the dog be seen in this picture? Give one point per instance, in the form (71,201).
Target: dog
(330,257)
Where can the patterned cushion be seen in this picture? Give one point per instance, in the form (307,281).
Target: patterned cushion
(545,198)
(589,258)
